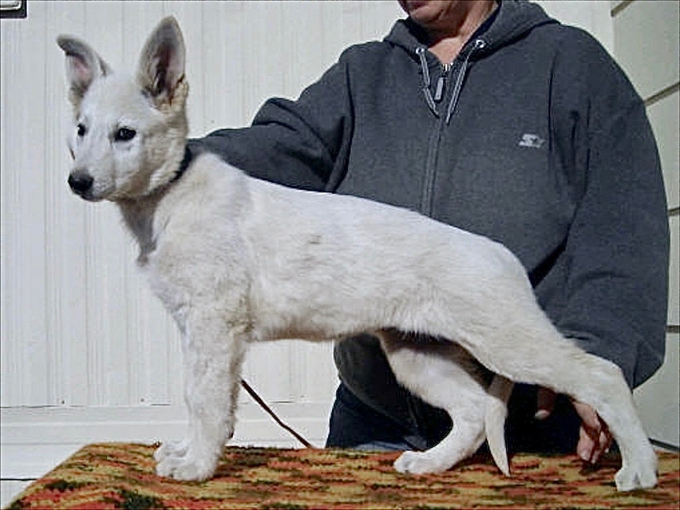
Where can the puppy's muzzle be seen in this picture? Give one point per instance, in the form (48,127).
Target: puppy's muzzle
(81,183)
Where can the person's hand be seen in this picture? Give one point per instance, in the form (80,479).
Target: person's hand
(594,436)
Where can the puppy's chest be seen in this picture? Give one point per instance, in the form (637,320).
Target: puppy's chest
(158,265)
(165,285)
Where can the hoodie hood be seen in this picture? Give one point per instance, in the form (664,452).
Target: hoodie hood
(514,19)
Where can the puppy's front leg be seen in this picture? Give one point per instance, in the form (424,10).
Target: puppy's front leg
(213,354)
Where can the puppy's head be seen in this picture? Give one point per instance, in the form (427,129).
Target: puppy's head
(129,132)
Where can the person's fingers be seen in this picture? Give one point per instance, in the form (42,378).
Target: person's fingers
(545,403)
(591,421)
(586,445)
(590,449)
(594,436)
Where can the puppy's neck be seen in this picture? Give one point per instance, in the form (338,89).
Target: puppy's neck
(183,165)
(139,213)
(138,216)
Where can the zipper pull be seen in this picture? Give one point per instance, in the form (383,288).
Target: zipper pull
(439,90)
(441,82)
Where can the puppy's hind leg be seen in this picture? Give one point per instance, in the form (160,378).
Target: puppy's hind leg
(608,393)
(213,355)
(564,367)
(445,376)
(600,383)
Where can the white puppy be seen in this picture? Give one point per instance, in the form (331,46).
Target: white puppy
(238,260)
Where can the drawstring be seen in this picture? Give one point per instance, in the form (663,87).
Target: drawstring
(427,82)
(479,44)
(420,51)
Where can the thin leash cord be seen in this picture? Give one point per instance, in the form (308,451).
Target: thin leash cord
(271,413)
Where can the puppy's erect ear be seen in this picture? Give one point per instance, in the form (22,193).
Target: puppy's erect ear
(161,64)
(83,66)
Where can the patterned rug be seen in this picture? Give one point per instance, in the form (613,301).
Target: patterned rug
(103,476)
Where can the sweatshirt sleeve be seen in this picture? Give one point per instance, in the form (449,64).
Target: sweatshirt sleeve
(617,247)
(301,144)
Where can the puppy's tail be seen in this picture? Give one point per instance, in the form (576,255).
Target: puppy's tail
(494,420)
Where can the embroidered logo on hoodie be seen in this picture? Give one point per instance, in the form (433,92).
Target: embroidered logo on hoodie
(532,141)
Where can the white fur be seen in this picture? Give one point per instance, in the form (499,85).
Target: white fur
(237,260)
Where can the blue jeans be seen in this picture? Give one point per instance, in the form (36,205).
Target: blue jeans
(354,424)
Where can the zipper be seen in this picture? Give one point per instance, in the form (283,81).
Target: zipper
(432,100)
(441,83)
(427,196)
(478,45)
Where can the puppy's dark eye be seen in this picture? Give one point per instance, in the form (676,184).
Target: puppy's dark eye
(81,130)
(125,134)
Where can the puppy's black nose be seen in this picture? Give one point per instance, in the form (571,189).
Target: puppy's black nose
(80,182)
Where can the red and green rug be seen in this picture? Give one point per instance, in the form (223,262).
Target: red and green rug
(110,476)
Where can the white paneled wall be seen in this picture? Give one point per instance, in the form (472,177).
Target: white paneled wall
(79,327)
(87,352)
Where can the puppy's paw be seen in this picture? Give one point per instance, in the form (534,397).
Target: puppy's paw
(630,478)
(171,449)
(186,468)
(420,463)
(179,460)
(638,470)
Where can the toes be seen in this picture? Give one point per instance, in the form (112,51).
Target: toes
(179,460)
(418,463)
(403,463)
(170,449)
(626,480)
(165,468)
(185,468)
(629,478)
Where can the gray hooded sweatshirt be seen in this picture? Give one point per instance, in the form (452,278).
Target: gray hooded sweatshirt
(533,137)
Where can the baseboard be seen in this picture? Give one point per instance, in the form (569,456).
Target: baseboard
(35,440)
